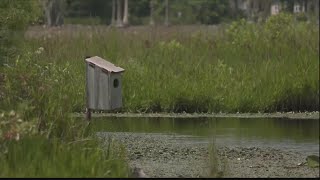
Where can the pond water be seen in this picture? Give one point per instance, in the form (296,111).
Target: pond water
(285,134)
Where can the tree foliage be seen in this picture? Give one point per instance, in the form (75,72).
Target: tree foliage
(15,16)
(181,12)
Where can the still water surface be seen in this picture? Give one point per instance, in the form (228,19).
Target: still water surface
(285,134)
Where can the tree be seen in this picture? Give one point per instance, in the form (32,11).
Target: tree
(166,22)
(253,9)
(113,16)
(313,9)
(266,4)
(259,10)
(119,19)
(126,13)
(151,5)
(210,11)
(316,9)
(233,4)
(101,11)
(15,16)
(53,12)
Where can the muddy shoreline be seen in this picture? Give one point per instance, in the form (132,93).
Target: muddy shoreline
(166,156)
(279,115)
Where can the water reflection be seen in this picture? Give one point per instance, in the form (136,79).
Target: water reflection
(298,135)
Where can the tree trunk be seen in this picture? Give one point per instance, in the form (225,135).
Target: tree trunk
(316,10)
(53,12)
(58,12)
(255,9)
(307,9)
(166,23)
(266,8)
(119,20)
(126,13)
(233,7)
(113,16)
(248,9)
(152,2)
(47,6)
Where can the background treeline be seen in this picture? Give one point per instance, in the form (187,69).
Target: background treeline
(142,12)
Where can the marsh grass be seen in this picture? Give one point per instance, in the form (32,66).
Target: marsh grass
(56,146)
(246,68)
(63,149)
(38,157)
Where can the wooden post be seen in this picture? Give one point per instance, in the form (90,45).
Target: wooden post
(88,110)
(88,114)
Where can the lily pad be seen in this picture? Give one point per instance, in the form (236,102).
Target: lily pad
(313,161)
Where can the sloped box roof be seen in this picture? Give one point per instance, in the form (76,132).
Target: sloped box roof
(104,64)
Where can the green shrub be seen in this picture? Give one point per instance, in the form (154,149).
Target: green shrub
(44,87)
(279,25)
(302,17)
(15,16)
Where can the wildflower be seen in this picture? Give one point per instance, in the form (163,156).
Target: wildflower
(230,70)
(17,137)
(9,135)
(12,113)
(39,50)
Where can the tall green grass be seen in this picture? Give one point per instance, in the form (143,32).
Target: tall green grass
(39,158)
(66,148)
(246,68)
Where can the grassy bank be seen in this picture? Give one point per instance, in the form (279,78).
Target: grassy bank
(64,149)
(40,158)
(37,138)
(245,68)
